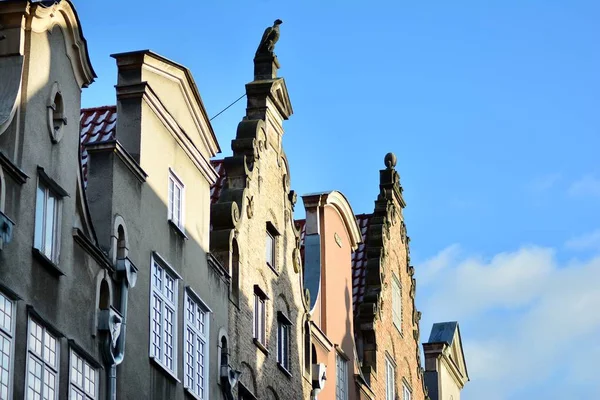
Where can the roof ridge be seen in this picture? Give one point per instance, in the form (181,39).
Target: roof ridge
(106,107)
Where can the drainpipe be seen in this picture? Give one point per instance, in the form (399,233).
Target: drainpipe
(114,343)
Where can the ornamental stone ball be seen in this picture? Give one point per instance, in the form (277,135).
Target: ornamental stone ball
(269,38)
(390,160)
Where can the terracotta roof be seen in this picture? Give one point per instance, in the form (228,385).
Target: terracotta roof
(97,125)
(359,257)
(359,261)
(215,190)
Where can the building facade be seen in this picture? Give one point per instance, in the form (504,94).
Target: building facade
(49,264)
(386,319)
(254,236)
(132,266)
(445,367)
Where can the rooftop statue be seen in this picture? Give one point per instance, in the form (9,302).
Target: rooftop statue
(269,38)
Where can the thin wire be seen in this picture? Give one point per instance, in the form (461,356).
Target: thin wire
(225,109)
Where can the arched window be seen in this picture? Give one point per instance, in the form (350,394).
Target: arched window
(307,349)
(235,272)
(121,243)
(104,298)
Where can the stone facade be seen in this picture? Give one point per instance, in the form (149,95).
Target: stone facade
(380,340)
(254,205)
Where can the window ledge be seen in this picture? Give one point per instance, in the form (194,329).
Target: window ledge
(272,268)
(178,230)
(46,262)
(284,370)
(191,394)
(261,346)
(170,374)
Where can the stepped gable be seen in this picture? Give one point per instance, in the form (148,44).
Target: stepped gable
(97,125)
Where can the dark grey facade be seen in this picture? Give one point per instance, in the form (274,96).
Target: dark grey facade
(107,288)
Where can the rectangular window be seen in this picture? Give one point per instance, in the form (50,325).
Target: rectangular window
(84,378)
(283,341)
(396,303)
(42,363)
(176,196)
(47,221)
(390,380)
(163,303)
(7,311)
(406,394)
(196,347)
(270,250)
(259,316)
(341,386)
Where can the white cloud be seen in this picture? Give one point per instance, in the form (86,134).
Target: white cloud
(589,241)
(544,183)
(587,186)
(524,318)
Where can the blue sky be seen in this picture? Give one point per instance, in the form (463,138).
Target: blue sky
(492,108)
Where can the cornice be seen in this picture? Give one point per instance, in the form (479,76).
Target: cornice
(43,18)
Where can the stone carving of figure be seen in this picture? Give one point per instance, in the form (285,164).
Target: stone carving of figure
(269,38)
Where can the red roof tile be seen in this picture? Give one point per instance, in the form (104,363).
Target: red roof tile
(359,257)
(215,190)
(97,125)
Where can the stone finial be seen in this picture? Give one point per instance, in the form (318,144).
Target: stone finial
(390,160)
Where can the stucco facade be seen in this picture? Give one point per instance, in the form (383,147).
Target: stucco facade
(331,234)
(445,366)
(161,133)
(47,280)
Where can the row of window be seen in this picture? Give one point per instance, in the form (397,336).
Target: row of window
(43,361)
(283,329)
(163,328)
(48,214)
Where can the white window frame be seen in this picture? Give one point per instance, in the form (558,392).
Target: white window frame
(260,318)
(199,332)
(34,357)
(284,331)
(43,193)
(7,333)
(390,379)
(341,377)
(397,303)
(160,291)
(82,388)
(175,182)
(406,393)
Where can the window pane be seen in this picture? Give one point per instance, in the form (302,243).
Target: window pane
(5,355)
(6,309)
(39,218)
(49,226)
(269,250)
